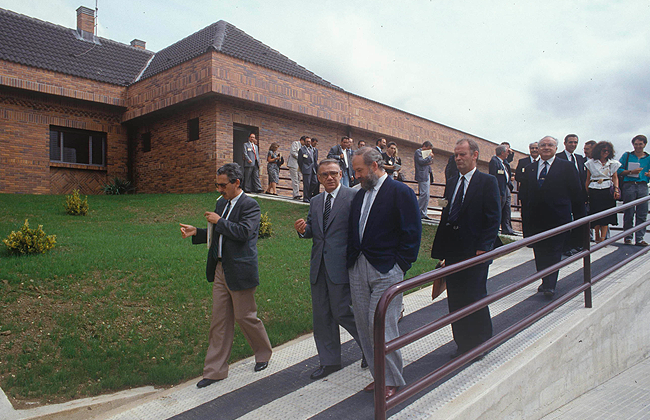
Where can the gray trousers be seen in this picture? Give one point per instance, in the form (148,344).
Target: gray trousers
(506,224)
(423,197)
(367,285)
(252,179)
(330,304)
(632,191)
(294,174)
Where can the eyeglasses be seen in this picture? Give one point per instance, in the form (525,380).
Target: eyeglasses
(326,175)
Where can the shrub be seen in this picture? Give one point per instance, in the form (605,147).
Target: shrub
(74,205)
(29,241)
(118,186)
(266,228)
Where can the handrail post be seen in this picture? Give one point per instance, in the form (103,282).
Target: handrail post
(587,264)
(379,338)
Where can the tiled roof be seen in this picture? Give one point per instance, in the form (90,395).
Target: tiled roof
(40,44)
(227,39)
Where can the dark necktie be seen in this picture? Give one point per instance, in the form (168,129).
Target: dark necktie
(216,236)
(328,208)
(573,159)
(542,175)
(458,202)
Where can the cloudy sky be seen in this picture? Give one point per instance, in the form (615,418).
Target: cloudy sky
(502,70)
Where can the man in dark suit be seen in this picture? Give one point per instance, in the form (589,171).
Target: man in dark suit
(574,244)
(553,198)
(307,158)
(533,148)
(232,269)
(500,169)
(327,223)
(383,241)
(468,227)
(251,158)
(343,155)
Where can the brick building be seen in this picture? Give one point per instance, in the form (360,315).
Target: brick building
(77,110)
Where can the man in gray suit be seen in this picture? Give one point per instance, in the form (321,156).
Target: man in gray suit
(232,269)
(251,157)
(423,176)
(307,158)
(327,224)
(294,169)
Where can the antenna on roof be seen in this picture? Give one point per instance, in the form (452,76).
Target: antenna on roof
(96,14)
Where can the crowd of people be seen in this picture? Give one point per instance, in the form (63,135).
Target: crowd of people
(364,240)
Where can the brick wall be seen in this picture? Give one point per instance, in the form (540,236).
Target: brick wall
(25,120)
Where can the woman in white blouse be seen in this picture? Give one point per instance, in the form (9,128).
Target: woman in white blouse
(602,186)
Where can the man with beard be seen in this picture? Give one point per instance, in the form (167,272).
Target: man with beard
(383,241)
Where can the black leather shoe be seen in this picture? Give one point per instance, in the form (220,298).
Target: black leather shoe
(364,363)
(205,382)
(549,293)
(323,371)
(261,366)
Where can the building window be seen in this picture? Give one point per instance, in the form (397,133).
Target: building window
(146,142)
(193,129)
(77,146)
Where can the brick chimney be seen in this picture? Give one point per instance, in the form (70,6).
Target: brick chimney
(86,22)
(139,44)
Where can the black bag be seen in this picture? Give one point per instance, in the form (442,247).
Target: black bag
(280,162)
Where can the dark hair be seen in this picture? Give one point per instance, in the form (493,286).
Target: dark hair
(232,171)
(370,154)
(361,141)
(598,149)
(427,144)
(392,143)
(569,136)
(253,133)
(314,139)
(505,143)
(590,142)
(641,137)
(303,138)
(379,141)
(345,138)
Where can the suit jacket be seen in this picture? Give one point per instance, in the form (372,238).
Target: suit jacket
(393,229)
(248,153)
(498,171)
(423,172)
(335,153)
(239,252)
(521,178)
(307,162)
(478,222)
(582,171)
(292,162)
(330,244)
(557,202)
(451,170)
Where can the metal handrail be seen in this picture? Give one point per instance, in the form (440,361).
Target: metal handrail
(382,348)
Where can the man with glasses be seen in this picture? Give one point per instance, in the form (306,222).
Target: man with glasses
(232,270)
(327,225)
(553,198)
(635,169)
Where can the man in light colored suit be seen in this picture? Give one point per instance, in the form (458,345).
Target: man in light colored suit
(294,169)
(251,157)
(232,270)
(423,176)
(343,155)
(327,224)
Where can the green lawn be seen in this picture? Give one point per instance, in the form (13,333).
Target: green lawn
(122,300)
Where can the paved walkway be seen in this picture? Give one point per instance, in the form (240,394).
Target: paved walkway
(625,396)
(284,390)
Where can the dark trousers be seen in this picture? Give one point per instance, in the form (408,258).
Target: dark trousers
(506,224)
(309,185)
(331,307)
(548,253)
(464,288)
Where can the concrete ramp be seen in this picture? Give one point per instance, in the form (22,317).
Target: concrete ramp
(546,366)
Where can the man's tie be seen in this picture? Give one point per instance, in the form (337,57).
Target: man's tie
(216,250)
(255,153)
(364,213)
(542,175)
(458,202)
(328,208)
(573,159)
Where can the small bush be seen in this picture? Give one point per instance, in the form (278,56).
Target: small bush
(266,228)
(74,205)
(29,241)
(117,187)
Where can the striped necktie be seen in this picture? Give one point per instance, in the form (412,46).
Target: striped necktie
(328,209)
